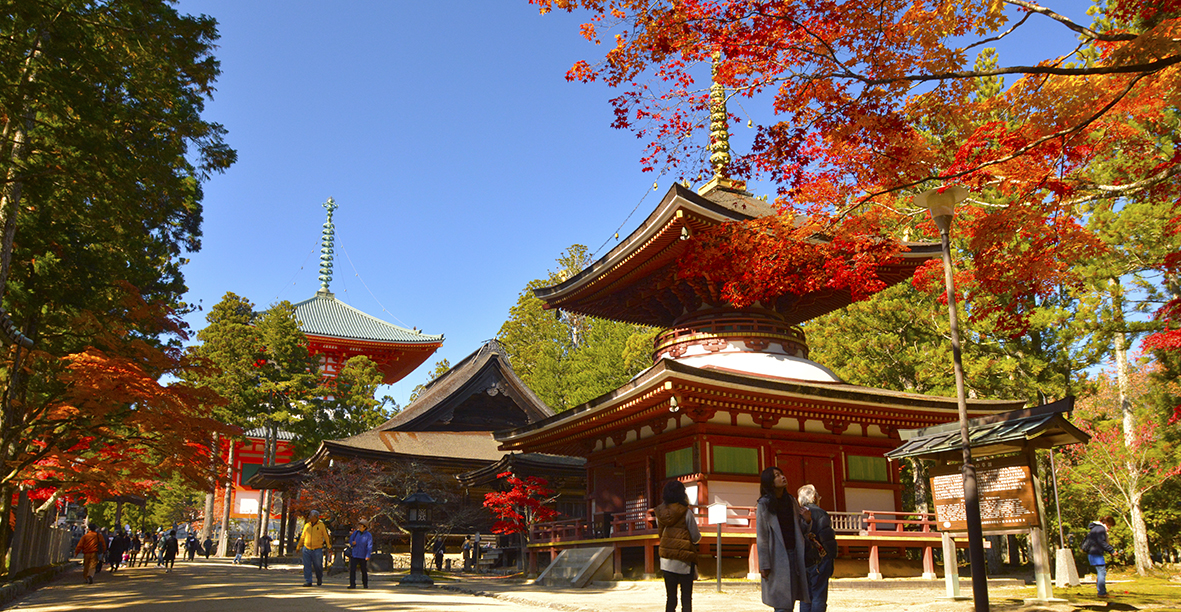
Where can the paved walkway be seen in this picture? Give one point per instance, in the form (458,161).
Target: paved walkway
(217,585)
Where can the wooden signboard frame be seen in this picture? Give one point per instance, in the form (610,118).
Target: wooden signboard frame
(1008,495)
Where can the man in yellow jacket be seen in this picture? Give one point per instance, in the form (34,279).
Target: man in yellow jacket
(312,542)
(90,547)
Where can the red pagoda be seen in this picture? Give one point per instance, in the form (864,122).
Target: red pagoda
(336,332)
(731,392)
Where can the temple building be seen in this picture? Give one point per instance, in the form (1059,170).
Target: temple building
(731,392)
(446,436)
(336,332)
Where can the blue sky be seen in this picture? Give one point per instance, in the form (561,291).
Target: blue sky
(462,161)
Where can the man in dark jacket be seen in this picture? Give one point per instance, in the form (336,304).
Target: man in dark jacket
(1096,545)
(264,551)
(820,527)
(169,547)
(239,549)
(208,544)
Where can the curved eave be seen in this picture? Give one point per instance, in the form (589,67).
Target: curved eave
(680,208)
(657,243)
(646,396)
(395,360)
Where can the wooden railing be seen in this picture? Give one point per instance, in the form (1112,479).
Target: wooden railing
(741,519)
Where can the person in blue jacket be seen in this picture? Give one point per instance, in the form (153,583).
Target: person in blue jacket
(360,548)
(1096,545)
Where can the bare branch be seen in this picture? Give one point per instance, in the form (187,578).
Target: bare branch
(1034,8)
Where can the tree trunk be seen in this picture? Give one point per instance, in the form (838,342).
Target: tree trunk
(118,515)
(211,495)
(223,541)
(270,461)
(918,469)
(1134,495)
(6,493)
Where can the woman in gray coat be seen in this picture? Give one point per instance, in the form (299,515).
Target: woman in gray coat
(780,542)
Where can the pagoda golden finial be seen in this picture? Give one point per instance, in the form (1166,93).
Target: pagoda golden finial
(719,136)
(327,242)
(719,133)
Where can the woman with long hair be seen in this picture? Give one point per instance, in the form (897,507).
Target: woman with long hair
(779,538)
(678,555)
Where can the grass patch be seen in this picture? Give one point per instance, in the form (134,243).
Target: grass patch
(1126,591)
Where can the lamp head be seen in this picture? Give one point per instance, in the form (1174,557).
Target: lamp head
(941,202)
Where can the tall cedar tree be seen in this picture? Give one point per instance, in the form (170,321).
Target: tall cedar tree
(567,358)
(102,153)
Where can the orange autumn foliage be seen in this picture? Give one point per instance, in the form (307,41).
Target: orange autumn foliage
(102,421)
(861,104)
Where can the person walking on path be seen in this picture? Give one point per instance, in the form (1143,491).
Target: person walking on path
(779,538)
(1096,545)
(133,552)
(678,546)
(819,559)
(208,544)
(360,548)
(440,550)
(467,553)
(90,547)
(311,545)
(191,547)
(118,546)
(264,551)
(169,547)
(149,549)
(239,549)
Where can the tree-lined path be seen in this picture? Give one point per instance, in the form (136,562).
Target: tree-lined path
(209,586)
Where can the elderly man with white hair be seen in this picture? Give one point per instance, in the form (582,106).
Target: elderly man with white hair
(312,542)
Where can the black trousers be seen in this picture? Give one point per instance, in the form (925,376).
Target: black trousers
(262,560)
(685,582)
(358,562)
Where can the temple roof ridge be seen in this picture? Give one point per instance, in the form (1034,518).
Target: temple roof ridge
(324,315)
(462,375)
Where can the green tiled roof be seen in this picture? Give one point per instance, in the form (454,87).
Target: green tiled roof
(324,315)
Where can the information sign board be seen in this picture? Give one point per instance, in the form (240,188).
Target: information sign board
(1005,487)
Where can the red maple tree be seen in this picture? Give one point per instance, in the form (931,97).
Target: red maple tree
(521,505)
(866,103)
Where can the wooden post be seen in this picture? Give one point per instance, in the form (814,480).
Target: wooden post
(283,516)
(649,561)
(929,563)
(1037,537)
(951,568)
(617,562)
(875,570)
(752,562)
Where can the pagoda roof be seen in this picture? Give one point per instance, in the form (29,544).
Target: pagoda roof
(324,315)
(637,281)
(646,398)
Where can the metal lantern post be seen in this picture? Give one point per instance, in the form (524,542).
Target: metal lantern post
(418,521)
(941,202)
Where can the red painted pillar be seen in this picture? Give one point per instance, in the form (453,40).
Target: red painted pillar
(929,562)
(649,560)
(617,561)
(875,570)
(752,562)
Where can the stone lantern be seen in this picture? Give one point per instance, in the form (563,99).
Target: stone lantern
(418,521)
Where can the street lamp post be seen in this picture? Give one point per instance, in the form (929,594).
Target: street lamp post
(941,202)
